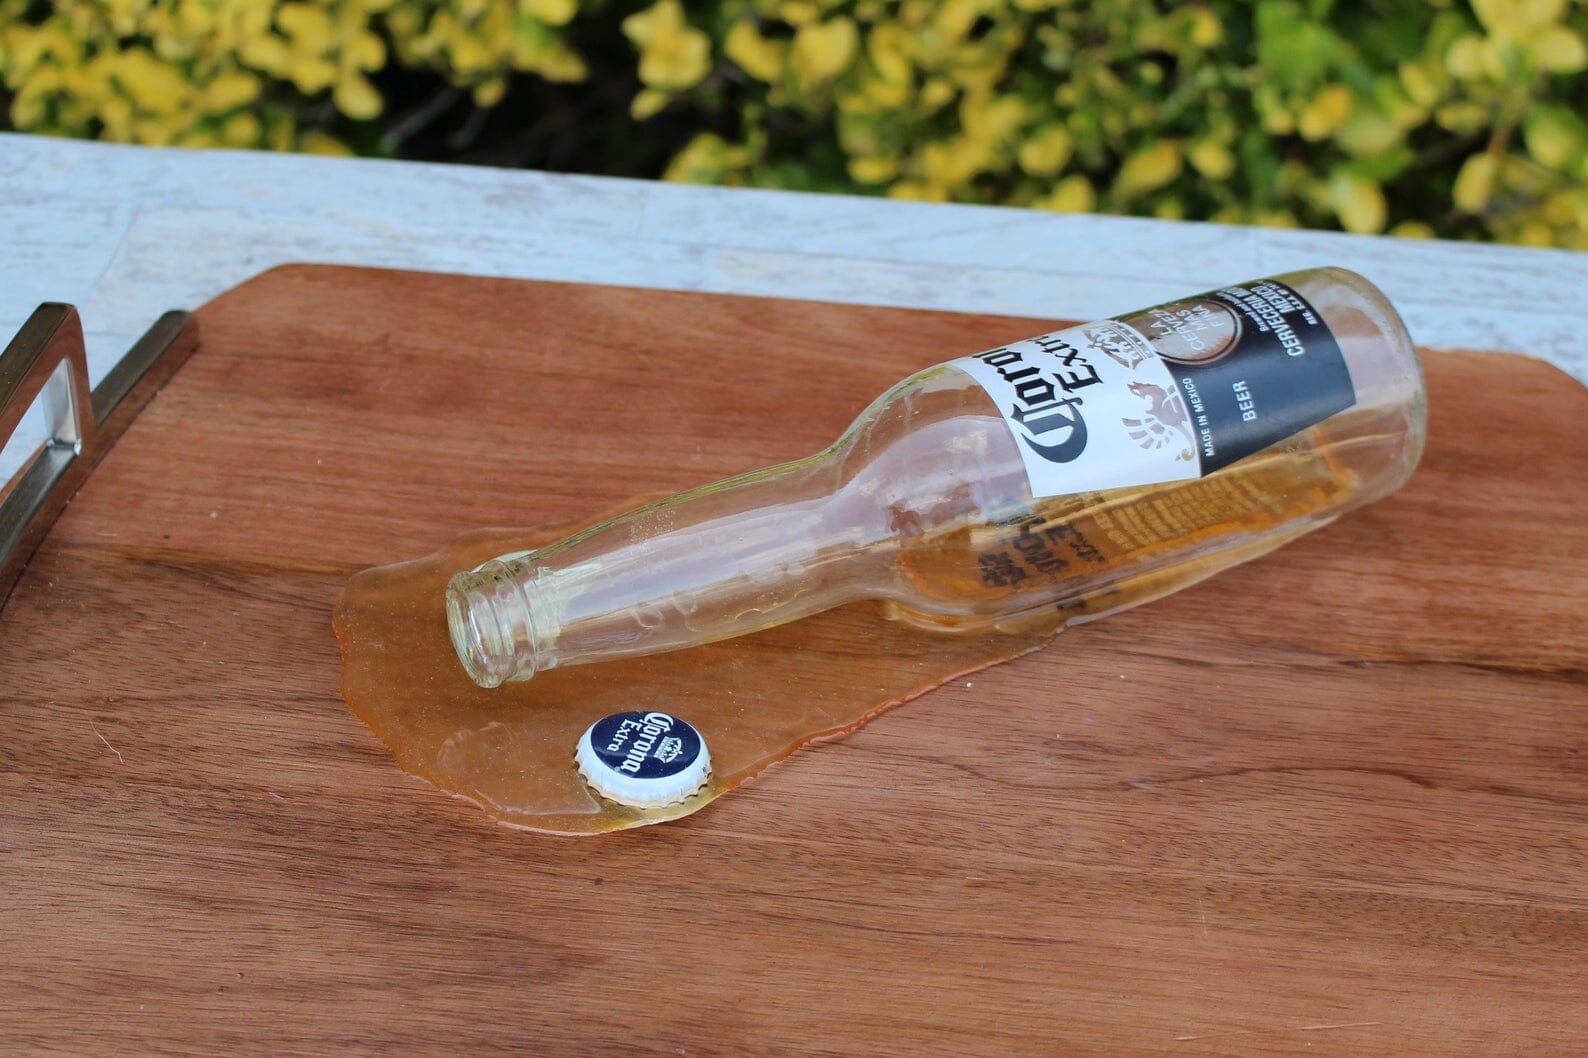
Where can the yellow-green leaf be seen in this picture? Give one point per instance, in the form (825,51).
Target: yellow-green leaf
(873,170)
(1212,159)
(1047,151)
(823,50)
(317,142)
(1419,85)
(1560,49)
(268,53)
(1149,168)
(951,163)
(366,51)
(707,159)
(1555,137)
(677,60)
(918,191)
(152,85)
(116,114)
(309,27)
(1474,185)
(356,97)
(1327,111)
(1206,30)
(760,58)
(1369,135)
(1517,15)
(990,119)
(1535,233)
(1412,229)
(648,102)
(489,93)
(935,93)
(1073,194)
(1359,204)
(887,45)
(1467,57)
(310,73)
(241,130)
(560,63)
(798,12)
(553,12)
(230,90)
(660,19)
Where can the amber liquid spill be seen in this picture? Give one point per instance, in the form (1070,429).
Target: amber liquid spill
(759,697)
(756,699)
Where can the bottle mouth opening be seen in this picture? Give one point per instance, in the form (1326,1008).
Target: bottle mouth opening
(493,638)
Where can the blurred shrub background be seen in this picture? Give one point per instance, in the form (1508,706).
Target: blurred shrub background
(1458,118)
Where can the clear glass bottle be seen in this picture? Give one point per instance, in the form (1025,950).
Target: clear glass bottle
(1086,471)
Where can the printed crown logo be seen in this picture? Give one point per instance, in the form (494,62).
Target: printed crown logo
(1118,344)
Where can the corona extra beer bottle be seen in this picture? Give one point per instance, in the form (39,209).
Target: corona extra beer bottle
(1081,471)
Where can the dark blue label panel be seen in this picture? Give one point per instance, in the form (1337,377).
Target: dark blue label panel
(1255,364)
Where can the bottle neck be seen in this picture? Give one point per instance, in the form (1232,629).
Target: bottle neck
(721,561)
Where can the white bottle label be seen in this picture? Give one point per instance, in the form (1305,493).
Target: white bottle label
(1090,408)
(1168,393)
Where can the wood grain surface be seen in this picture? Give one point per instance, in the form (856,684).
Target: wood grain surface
(1332,802)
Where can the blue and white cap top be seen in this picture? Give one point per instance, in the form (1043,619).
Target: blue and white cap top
(644,760)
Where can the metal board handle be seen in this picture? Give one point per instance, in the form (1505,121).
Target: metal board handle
(46,361)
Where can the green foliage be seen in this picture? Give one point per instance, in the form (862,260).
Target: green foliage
(1411,116)
(1462,118)
(257,73)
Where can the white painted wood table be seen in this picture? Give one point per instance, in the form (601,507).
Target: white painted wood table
(125,233)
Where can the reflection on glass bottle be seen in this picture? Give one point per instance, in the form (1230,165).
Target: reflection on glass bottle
(1086,470)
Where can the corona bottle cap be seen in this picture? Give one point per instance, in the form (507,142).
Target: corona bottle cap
(644,760)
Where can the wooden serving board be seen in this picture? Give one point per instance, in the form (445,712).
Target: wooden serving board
(1333,802)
